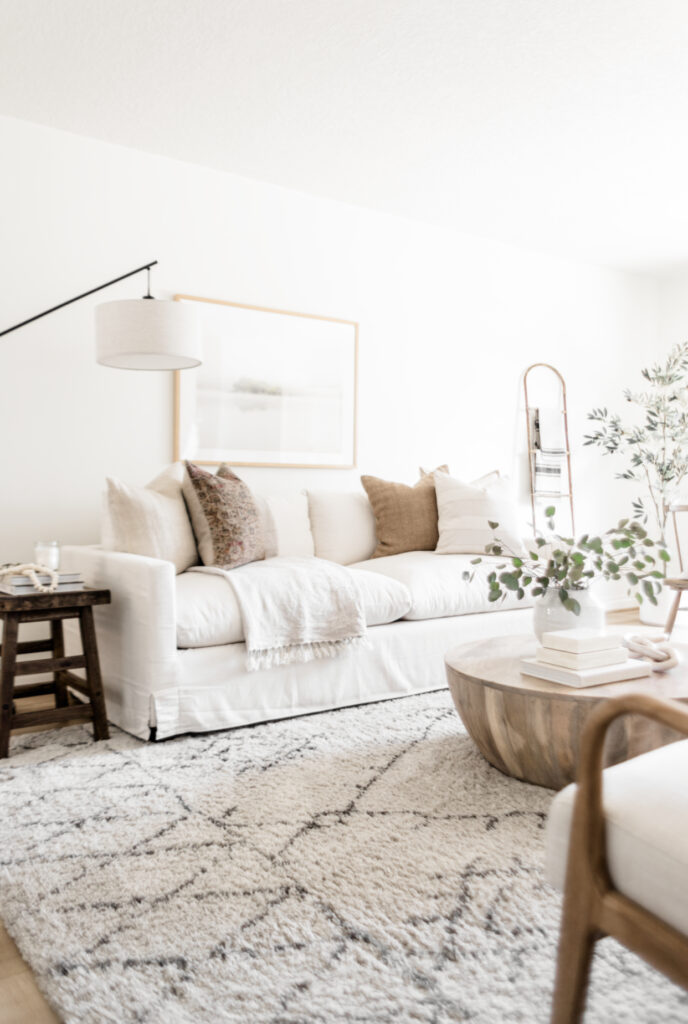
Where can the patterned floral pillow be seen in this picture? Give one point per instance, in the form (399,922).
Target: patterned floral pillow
(224,516)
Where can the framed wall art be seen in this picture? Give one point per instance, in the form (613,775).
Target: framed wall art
(275,388)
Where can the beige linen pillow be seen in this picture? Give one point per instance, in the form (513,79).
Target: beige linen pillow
(465,511)
(224,516)
(405,517)
(150,520)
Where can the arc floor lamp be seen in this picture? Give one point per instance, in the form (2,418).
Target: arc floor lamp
(140,334)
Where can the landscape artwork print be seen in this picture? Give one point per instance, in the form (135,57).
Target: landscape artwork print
(274,389)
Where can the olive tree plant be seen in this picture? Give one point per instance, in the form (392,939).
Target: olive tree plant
(656,447)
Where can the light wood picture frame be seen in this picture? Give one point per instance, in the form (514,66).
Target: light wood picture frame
(276,388)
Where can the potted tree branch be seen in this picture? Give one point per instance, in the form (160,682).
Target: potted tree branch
(655,445)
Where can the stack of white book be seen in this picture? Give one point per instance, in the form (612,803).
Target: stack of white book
(20,586)
(583,657)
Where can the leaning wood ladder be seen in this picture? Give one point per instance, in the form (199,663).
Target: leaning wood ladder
(530,412)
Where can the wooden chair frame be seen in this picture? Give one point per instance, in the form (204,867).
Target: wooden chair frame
(593,908)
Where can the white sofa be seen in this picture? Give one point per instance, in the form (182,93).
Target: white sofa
(171,648)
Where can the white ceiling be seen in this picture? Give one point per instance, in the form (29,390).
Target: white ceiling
(558,124)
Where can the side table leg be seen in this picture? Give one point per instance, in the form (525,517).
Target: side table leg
(9,661)
(61,695)
(95,683)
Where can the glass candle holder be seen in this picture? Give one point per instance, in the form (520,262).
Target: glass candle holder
(47,553)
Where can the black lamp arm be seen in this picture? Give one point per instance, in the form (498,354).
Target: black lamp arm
(146,266)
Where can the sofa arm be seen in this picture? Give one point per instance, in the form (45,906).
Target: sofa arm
(137,632)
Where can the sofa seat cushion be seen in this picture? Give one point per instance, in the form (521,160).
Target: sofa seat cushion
(437,586)
(646,809)
(208,613)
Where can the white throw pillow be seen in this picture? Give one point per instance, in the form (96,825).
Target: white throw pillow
(465,510)
(150,520)
(343,525)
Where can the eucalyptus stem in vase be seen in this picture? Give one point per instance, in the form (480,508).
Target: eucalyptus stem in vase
(566,567)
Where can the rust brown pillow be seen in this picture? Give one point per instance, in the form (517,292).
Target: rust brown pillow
(224,516)
(405,517)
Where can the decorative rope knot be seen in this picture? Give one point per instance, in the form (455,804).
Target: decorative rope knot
(655,649)
(31,570)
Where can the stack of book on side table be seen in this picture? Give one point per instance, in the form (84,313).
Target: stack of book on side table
(21,586)
(583,657)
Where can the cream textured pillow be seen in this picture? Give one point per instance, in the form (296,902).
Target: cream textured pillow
(343,526)
(465,511)
(150,520)
(405,517)
(225,517)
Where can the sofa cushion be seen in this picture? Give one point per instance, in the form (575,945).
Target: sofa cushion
(208,613)
(646,809)
(224,516)
(343,525)
(437,586)
(286,525)
(151,520)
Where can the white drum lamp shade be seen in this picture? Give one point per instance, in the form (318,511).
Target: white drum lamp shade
(148,334)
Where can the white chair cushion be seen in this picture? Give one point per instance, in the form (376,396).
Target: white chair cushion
(436,584)
(151,520)
(646,809)
(208,613)
(343,525)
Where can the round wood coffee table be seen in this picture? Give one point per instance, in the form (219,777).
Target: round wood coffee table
(530,729)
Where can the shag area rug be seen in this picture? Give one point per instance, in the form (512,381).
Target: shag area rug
(364,865)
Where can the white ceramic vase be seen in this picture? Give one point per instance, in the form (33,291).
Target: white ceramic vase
(549,612)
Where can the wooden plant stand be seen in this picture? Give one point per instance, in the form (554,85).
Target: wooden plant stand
(52,608)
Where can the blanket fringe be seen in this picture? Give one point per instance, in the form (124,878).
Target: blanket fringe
(274,656)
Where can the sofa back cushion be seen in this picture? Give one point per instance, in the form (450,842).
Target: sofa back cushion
(224,516)
(405,517)
(286,525)
(150,520)
(343,525)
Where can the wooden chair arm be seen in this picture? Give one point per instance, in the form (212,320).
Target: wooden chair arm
(588,813)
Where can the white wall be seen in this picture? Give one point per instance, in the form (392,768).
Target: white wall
(448,323)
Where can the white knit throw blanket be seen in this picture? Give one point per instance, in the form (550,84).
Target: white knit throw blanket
(295,609)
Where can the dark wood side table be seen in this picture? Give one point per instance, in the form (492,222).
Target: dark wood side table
(52,608)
